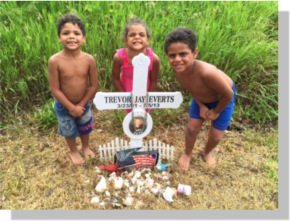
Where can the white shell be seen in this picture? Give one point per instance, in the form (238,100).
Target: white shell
(165,178)
(95,200)
(97,169)
(102,204)
(112,176)
(128,201)
(137,174)
(140,182)
(139,190)
(148,175)
(107,193)
(126,183)
(101,186)
(130,174)
(149,183)
(154,190)
(132,189)
(118,183)
(133,180)
(169,193)
(117,193)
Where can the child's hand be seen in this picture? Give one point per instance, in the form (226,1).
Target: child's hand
(77,111)
(212,115)
(203,111)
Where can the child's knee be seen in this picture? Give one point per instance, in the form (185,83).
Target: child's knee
(193,129)
(216,136)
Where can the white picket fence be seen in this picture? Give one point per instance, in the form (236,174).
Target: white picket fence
(107,151)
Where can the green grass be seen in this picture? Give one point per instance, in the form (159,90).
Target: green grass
(241,38)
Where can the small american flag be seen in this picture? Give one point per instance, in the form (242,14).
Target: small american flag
(138,161)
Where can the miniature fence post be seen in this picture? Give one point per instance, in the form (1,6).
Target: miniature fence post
(113,148)
(167,151)
(159,149)
(163,150)
(107,151)
(154,143)
(100,153)
(117,144)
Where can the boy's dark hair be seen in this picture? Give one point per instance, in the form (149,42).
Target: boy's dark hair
(131,22)
(183,35)
(70,18)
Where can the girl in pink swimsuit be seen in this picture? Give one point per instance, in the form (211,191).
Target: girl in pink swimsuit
(136,38)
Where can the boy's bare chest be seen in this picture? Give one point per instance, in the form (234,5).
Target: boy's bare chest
(69,69)
(195,86)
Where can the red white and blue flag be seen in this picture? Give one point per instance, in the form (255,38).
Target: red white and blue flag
(138,161)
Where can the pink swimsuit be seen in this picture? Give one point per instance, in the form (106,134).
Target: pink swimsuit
(127,72)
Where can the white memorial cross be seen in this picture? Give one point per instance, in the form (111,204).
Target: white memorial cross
(138,100)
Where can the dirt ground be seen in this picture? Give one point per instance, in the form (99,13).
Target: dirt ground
(37,173)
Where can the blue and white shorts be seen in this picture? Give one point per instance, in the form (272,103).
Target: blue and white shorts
(71,127)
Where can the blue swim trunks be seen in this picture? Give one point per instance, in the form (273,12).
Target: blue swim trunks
(223,120)
(71,127)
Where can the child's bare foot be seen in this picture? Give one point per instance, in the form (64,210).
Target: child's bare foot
(76,158)
(209,159)
(88,153)
(184,161)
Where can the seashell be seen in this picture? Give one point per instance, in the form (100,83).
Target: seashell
(163,173)
(118,183)
(137,174)
(117,193)
(117,205)
(146,170)
(133,180)
(158,176)
(113,200)
(147,192)
(138,189)
(130,175)
(126,183)
(97,169)
(128,201)
(102,204)
(112,176)
(165,178)
(154,190)
(95,200)
(87,181)
(169,193)
(140,182)
(148,175)
(101,186)
(132,189)
(149,183)
(124,174)
(167,183)
(107,193)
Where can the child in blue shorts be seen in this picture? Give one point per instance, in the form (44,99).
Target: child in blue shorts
(69,72)
(212,90)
